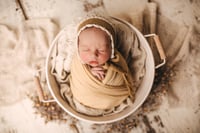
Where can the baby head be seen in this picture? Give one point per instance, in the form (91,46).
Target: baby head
(95,42)
(94,46)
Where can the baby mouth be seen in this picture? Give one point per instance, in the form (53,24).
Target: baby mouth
(93,63)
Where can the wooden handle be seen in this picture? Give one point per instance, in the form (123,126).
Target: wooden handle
(39,88)
(159,47)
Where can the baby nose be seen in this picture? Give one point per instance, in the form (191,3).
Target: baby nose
(94,54)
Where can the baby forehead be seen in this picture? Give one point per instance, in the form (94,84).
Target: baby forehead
(94,30)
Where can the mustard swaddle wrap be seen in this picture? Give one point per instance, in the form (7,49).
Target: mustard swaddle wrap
(105,94)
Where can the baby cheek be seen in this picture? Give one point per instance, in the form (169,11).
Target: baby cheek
(84,57)
(104,58)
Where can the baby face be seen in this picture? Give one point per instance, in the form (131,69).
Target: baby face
(94,46)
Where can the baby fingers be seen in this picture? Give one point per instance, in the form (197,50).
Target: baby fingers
(99,74)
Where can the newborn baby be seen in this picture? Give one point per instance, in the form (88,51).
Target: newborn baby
(99,77)
(94,47)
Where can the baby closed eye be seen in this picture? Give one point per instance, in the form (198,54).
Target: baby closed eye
(84,50)
(102,51)
(97,51)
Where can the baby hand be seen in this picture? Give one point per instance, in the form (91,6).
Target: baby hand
(98,72)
